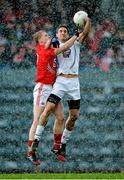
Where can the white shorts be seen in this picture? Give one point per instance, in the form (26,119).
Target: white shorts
(41,93)
(69,86)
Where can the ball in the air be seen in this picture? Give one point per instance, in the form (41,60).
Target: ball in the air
(80,17)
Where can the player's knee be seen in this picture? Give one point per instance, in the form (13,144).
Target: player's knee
(71,121)
(60,119)
(74,117)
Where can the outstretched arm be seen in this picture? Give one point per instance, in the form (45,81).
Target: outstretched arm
(67,45)
(86,30)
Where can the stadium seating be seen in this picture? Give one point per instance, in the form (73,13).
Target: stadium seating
(96,144)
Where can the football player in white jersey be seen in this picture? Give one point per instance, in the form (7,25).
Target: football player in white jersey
(67,82)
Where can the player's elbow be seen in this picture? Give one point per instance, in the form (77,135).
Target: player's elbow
(65,47)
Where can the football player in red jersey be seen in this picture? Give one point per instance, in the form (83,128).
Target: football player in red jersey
(45,78)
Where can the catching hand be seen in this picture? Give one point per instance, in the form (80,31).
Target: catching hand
(77,31)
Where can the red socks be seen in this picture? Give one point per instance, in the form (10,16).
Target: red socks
(29,147)
(30,143)
(57,141)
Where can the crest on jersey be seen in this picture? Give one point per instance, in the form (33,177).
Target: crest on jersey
(67,53)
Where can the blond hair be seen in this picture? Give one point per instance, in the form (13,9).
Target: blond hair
(37,35)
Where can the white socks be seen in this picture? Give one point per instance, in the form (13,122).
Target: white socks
(65,136)
(39,131)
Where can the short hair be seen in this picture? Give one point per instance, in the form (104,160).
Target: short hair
(37,35)
(62,25)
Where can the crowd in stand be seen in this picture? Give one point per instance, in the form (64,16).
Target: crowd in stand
(104,46)
(17,27)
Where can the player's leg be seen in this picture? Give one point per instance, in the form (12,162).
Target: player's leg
(49,108)
(37,112)
(74,106)
(54,98)
(67,132)
(52,101)
(73,90)
(31,155)
(40,94)
(58,127)
(73,116)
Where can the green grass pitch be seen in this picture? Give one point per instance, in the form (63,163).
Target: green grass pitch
(62,176)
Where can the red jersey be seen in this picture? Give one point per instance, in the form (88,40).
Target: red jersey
(46,65)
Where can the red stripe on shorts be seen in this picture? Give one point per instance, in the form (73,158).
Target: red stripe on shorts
(38,96)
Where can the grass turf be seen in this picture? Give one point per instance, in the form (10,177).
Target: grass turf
(62,176)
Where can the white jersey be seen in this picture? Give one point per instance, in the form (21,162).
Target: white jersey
(68,61)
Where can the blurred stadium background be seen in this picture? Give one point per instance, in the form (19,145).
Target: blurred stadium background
(98,144)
